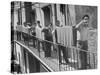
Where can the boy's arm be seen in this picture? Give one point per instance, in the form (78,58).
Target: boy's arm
(79,24)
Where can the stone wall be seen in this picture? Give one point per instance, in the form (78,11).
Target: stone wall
(92,41)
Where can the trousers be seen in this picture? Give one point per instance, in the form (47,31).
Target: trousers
(83,54)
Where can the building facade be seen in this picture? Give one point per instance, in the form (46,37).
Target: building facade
(46,13)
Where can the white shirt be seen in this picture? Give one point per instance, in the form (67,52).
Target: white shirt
(38,32)
(84,31)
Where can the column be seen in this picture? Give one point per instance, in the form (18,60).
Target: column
(71,16)
(53,16)
(39,14)
(16,6)
(58,13)
(23,13)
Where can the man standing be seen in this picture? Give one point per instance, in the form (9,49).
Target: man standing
(48,40)
(25,33)
(38,34)
(83,28)
(33,32)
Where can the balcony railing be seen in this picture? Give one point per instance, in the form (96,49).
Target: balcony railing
(17,47)
(60,58)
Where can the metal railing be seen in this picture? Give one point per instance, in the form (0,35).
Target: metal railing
(59,57)
(17,58)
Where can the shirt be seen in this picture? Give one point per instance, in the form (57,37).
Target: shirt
(38,32)
(83,33)
(47,34)
(25,30)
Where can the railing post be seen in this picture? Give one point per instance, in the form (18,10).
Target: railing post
(73,58)
(77,59)
(59,55)
(38,46)
(94,61)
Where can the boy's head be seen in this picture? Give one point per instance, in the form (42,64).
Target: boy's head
(38,22)
(86,19)
(29,24)
(58,23)
(34,23)
(25,24)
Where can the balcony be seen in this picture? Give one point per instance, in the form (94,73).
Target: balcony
(24,50)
